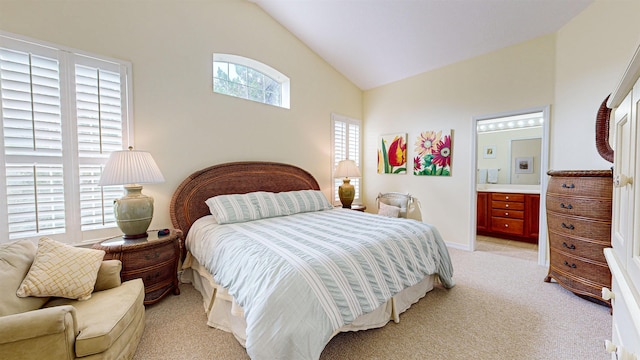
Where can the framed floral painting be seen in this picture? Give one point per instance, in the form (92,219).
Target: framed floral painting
(433,149)
(392,154)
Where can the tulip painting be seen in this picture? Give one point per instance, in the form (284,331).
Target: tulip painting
(392,154)
(434,153)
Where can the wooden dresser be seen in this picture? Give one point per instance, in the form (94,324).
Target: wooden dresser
(509,215)
(579,227)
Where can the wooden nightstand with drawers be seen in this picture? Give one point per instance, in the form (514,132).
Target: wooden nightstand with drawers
(153,259)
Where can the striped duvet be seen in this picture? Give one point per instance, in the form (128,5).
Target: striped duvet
(301,277)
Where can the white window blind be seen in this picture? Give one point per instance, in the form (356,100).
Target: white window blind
(63,112)
(345,140)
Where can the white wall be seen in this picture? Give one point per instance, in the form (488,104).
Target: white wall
(515,78)
(592,52)
(573,70)
(178,118)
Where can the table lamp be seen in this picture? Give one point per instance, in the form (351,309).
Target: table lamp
(134,211)
(346,191)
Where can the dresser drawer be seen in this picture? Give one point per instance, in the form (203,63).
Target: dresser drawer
(597,208)
(152,274)
(149,255)
(507,197)
(507,205)
(581,186)
(577,247)
(578,285)
(512,214)
(581,267)
(579,227)
(507,226)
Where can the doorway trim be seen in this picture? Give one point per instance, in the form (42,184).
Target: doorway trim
(544,167)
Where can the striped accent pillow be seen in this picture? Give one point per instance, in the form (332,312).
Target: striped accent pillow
(304,201)
(269,204)
(228,209)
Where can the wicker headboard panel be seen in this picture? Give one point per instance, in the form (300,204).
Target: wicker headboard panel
(188,201)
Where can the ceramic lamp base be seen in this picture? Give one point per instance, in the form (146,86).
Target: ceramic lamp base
(133,212)
(346,192)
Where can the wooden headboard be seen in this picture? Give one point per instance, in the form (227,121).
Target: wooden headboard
(188,201)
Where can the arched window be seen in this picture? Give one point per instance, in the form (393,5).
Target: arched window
(249,79)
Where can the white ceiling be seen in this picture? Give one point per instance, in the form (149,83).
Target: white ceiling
(375,42)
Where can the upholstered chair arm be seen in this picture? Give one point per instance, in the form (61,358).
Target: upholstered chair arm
(47,333)
(108,275)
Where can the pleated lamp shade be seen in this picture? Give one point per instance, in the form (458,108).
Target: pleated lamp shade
(134,211)
(346,169)
(131,167)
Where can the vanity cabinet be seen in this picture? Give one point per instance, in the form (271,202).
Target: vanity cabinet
(482,223)
(508,215)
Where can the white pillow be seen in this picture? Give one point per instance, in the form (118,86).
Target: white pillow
(61,270)
(388,210)
(304,201)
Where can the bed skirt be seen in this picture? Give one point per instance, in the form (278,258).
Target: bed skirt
(223,313)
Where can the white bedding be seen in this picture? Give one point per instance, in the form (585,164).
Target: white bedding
(301,278)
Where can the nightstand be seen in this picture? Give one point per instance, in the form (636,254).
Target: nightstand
(153,259)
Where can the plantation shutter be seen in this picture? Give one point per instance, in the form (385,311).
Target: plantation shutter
(32,139)
(100,132)
(63,112)
(346,145)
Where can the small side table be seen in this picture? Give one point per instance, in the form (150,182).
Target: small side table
(153,259)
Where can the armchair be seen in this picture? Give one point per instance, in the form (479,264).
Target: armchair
(408,206)
(109,325)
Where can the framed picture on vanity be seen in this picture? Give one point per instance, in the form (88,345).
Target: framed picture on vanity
(524,165)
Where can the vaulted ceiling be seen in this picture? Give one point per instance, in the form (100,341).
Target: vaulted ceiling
(376,42)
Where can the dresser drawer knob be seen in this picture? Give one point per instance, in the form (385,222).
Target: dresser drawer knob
(570,186)
(570,247)
(506,205)
(573,266)
(570,226)
(506,197)
(621,180)
(608,294)
(152,256)
(506,225)
(610,347)
(506,214)
(562,205)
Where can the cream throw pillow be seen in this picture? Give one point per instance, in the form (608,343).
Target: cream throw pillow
(389,210)
(61,270)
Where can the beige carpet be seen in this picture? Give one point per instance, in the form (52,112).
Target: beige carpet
(499,309)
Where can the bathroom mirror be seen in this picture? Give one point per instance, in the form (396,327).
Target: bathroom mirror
(509,149)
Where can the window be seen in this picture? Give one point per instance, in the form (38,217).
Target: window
(345,142)
(63,112)
(249,79)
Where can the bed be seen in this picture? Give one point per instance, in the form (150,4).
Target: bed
(284,271)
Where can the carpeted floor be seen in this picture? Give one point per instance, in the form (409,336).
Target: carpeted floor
(500,308)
